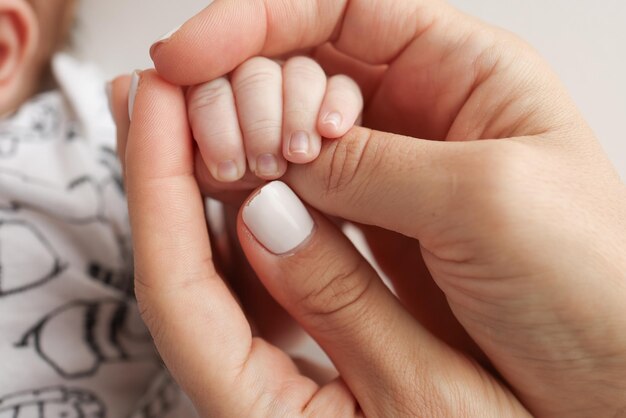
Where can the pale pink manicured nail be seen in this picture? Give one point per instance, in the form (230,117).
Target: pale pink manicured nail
(333,119)
(132,92)
(278,219)
(299,143)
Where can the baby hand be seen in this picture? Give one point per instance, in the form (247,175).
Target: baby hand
(265,115)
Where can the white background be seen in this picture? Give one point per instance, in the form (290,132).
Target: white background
(585,41)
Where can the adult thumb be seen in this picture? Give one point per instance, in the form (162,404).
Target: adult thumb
(391,363)
(395,182)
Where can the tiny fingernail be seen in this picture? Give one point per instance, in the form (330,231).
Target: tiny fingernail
(132,92)
(334,119)
(278,219)
(300,143)
(227,171)
(108,89)
(267,165)
(168,35)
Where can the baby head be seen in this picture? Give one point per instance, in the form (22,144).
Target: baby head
(30,32)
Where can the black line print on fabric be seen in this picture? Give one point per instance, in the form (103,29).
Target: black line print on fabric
(73,131)
(112,189)
(43,124)
(21,244)
(104,331)
(79,202)
(110,160)
(84,201)
(163,399)
(52,402)
(120,279)
(8,204)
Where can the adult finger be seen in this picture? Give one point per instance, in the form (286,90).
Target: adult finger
(312,269)
(227,32)
(198,327)
(273,323)
(399,257)
(395,182)
(333,62)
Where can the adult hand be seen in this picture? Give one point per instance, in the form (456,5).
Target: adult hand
(524,235)
(391,367)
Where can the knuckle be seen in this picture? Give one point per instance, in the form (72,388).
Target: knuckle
(351,163)
(256,73)
(265,128)
(340,291)
(304,69)
(414,392)
(207,94)
(433,397)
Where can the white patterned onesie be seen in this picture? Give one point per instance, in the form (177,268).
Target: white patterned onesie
(71,341)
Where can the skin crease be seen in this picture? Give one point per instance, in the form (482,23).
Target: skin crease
(517,212)
(40,28)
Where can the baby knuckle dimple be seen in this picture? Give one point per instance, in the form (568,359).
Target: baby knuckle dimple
(207,94)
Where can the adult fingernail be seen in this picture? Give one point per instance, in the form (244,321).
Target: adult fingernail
(299,143)
(267,165)
(108,89)
(169,34)
(278,219)
(132,92)
(333,119)
(164,38)
(227,171)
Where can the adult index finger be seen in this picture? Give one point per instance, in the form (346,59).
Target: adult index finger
(228,32)
(197,325)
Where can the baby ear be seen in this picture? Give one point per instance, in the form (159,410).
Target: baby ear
(19,36)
